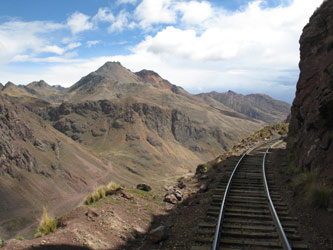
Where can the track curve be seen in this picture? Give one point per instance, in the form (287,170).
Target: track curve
(241,215)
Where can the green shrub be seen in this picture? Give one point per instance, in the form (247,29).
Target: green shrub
(47,224)
(20,238)
(201,169)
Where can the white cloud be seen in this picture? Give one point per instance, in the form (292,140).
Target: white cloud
(151,12)
(250,50)
(73,45)
(126,2)
(256,34)
(195,12)
(79,22)
(120,22)
(92,43)
(17,37)
(52,49)
(104,15)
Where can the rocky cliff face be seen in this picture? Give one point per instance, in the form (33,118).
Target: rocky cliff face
(140,137)
(311,125)
(14,129)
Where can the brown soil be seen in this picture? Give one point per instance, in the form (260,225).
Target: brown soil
(315,224)
(125,222)
(118,222)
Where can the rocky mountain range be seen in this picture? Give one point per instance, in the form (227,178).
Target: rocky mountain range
(111,125)
(257,106)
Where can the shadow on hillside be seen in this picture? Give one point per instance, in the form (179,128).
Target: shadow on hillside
(191,211)
(59,247)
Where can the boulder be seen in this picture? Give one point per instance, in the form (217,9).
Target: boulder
(181,185)
(91,214)
(144,187)
(171,198)
(127,195)
(159,234)
(178,194)
(203,188)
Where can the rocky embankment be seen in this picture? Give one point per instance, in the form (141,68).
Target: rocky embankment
(311,124)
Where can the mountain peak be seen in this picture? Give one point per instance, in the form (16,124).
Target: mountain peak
(231,92)
(115,71)
(39,84)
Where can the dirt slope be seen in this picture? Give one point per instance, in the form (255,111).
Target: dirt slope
(39,166)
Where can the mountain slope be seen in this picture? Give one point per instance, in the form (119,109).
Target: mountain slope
(39,166)
(257,106)
(146,127)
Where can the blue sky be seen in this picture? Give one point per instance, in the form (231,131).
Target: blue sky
(241,45)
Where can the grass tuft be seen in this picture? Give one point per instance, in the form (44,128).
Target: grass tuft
(20,238)
(47,224)
(100,193)
(308,184)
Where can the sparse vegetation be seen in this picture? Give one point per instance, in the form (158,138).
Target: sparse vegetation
(179,179)
(1,242)
(314,192)
(201,169)
(20,238)
(140,193)
(100,193)
(265,133)
(47,224)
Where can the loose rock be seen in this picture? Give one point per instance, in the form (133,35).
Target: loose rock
(127,195)
(144,187)
(181,185)
(159,234)
(171,198)
(178,194)
(204,177)
(91,214)
(203,188)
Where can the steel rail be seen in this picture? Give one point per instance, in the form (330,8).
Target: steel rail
(279,228)
(217,236)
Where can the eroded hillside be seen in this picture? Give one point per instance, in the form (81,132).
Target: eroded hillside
(39,166)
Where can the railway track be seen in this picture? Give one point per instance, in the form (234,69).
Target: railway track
(243,217)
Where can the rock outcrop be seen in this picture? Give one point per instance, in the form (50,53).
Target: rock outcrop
(13,129)
(311,124)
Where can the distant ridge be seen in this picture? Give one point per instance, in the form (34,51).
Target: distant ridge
(257,106)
